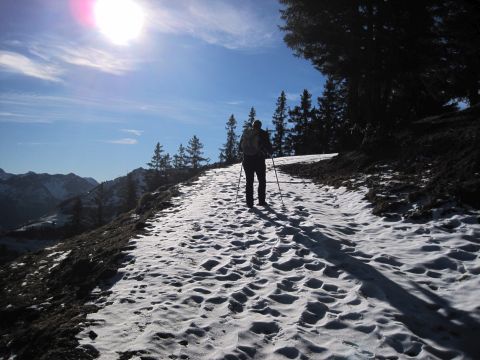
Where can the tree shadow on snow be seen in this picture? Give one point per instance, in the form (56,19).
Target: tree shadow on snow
(453,328)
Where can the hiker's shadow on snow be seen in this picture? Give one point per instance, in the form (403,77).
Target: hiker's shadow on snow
(455,330)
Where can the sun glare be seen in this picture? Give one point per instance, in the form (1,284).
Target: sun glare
(119,20)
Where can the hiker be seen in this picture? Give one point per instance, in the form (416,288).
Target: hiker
(255,146)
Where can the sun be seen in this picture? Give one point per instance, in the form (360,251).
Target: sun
(119,20)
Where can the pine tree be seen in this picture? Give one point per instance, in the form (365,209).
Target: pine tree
(166,163)
(229,151)
(386,52)
(179,159)
(279,121)
(156,168)
(194,151)
(330,123)
(156,162)
(100,202)
(248,124)
(461,33)
(221,156)
(301,118)
(251,118)
(129,193)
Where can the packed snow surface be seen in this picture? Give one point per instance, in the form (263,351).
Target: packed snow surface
(318,278)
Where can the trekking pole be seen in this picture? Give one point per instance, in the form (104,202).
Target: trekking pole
(278,183)
(239,178)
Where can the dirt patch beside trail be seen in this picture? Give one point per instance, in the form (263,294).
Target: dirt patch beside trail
(435,164)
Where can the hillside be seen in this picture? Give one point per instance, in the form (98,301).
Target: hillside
(430,167)
(112,203)
(56,225)
(203,277)
(28,196)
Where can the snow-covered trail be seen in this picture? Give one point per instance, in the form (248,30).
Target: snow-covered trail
(320,278)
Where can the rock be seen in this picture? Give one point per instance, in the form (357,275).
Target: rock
(90,351)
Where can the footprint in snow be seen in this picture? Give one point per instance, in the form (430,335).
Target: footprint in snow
(266,328)
(331,271)
(285,299)
(314,283)
(289,265)
(288,351)
(217,300)
(210,264)
(461,255)
(335,325)
(287,285)
(314,311)
(389,260)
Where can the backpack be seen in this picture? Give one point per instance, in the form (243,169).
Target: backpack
(251,142)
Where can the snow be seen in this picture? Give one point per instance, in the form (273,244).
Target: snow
(57,258)
(48,221)
(319,278)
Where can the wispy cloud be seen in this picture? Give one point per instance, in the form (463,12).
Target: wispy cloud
(4,114)
(52,58)
(234,102)
(85,56)
(36,108)
(292,96)
(133,131)
(229,24)
(125,141)
(21,64)
(11,117)
(34,143)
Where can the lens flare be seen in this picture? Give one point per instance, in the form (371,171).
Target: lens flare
(82,11)
(119,20)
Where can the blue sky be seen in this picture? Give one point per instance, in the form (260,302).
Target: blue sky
(71,100)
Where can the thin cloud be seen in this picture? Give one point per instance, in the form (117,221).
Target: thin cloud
(133,131)
(235,102)
(125,141)
(84,56)
(37,108)
(33,143)
(31,107)
(25,120)
(9,114)
(17,63)
(292,96)
(231,25)
(10,117)
(25,99)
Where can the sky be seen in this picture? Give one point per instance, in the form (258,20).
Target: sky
(90,88)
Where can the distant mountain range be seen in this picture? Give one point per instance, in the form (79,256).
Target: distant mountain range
(113,199)
(28,196)
(37,210)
